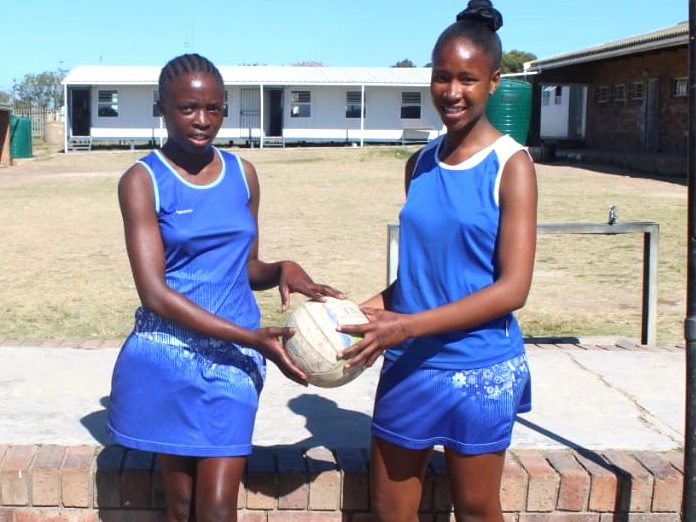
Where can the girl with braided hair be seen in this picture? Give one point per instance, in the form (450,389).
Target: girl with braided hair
(454,372)
(187,380)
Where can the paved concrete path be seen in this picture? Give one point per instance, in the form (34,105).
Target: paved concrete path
(591,398)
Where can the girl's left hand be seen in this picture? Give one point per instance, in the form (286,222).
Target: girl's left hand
(294,279)
(385,329)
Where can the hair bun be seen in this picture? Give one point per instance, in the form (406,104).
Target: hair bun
(484,12)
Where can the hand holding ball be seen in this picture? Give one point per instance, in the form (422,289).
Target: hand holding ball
(316,342)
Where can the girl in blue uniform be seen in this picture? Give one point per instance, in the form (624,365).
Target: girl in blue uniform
(454,371)
(187,381)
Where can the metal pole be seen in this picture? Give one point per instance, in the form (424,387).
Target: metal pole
(689,495)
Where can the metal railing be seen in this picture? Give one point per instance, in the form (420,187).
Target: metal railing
(651,236)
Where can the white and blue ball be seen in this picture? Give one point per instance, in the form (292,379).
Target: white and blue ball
(316,342)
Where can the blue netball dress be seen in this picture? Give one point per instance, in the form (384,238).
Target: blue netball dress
(461,389)
(174,390)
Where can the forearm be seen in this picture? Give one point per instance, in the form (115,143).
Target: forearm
(263,276)
(469,312)
(175,307)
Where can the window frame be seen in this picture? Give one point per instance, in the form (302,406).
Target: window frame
(636,91)
(601,94)
(103,104)
(355,109)
(297,104)
(680,87)
(411,105)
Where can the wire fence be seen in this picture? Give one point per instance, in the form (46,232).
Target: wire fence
(39,118)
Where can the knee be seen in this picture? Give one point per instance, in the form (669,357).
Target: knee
(478,508)
(179,509)
(388,508)
(217,510)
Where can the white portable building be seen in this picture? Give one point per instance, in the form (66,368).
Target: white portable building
(266,105)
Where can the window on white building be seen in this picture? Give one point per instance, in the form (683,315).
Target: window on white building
(300,104)
(107,104)
(353,104)
(410,105)
(155,101)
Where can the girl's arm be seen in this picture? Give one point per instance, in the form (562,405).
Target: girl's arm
(515,262)
(517,244)
(146,256)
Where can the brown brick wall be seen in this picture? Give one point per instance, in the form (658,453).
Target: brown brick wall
(620,126)
(87,484)
(4,143)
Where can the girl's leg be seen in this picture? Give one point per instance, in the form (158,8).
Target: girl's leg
(217,487)
(178,475)
(475,484)
(397,481)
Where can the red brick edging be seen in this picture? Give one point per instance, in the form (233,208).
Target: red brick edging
(85,484)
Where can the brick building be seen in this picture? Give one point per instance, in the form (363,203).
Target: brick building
(5,135)
(627,96)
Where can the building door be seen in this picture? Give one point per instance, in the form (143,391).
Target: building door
(249,114)
(651,141)
(274,126)
(80,116)
(576,112)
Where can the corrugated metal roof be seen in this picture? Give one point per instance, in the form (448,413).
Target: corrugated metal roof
(674,36)
(255,75)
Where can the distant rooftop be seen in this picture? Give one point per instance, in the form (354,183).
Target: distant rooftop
(674,36)
(258,74)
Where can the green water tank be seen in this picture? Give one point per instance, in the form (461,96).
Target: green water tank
(510,108)
(20,137)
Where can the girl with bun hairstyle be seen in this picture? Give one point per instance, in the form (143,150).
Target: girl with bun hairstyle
(455,372)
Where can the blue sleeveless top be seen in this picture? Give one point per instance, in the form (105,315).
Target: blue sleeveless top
(447,250)
(207,232)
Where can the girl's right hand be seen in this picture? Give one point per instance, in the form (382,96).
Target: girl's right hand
(384,330)
(271,342)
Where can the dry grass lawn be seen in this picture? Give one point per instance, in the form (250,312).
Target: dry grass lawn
(65,273)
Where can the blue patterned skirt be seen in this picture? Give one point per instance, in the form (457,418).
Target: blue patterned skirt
(180,395)
(469,411)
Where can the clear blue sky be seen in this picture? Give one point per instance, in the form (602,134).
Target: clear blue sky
(44,35)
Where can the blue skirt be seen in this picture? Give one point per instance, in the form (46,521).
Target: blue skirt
(196,400)
(469,411)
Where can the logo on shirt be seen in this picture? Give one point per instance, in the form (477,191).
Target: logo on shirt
(184,211)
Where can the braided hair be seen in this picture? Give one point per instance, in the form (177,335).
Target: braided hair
(478,23)
(184,64)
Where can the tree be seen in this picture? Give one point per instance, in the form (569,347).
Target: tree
(513,61)
(42,90)
(404,63)
(5,98)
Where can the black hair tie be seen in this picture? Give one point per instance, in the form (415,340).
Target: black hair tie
(484,13)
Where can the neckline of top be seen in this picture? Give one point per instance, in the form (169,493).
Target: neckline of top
(213,183)
(472,160)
